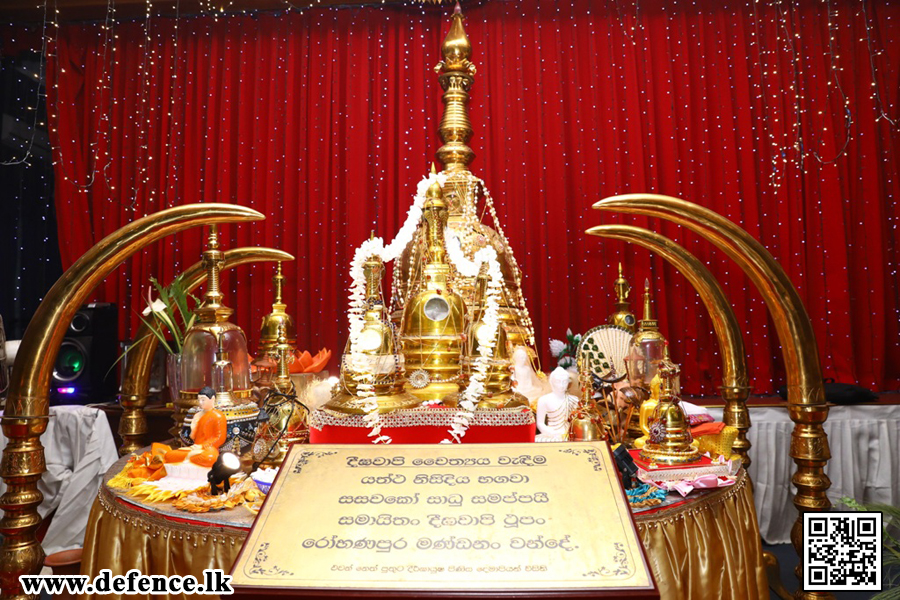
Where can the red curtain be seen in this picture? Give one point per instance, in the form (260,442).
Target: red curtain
(780,116)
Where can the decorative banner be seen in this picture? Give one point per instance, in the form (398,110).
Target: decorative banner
(445,519)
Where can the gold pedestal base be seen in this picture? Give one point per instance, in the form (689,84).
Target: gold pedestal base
(433,391)
(662,456)
(345,403)
(509,399)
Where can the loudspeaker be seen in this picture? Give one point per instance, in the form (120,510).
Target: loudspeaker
(83,372)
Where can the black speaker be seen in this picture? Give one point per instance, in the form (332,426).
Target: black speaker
(83,372)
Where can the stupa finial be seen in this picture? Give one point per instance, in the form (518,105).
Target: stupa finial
(456,74)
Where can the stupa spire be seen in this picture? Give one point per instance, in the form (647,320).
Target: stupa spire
(456,74)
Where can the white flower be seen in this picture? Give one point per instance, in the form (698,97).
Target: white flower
(157,306)
(556,347)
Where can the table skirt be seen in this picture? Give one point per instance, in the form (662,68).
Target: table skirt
(696,551)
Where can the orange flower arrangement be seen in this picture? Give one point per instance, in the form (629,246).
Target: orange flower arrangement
(304,362)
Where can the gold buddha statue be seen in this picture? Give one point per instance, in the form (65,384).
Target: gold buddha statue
(648,406)
(268,336)
(375,358)
(434,319)
(669,441)
(647,350)
(463,194)
(623,316)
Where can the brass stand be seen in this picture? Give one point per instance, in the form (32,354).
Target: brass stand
(136,379)
(27,407)
(806,397)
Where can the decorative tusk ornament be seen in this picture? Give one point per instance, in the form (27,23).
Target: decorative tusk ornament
(806,393)
(27,406)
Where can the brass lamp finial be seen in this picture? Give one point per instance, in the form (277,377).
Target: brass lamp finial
(271,322)
(622,317)
(212,310)
(282,349)
(456,74)
(648,323)
(278,279)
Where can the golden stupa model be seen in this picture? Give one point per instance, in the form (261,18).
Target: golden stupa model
(434,319)
(463,192)
(623,317)
(438,309)
(268,335)
(669,441)
(376,360)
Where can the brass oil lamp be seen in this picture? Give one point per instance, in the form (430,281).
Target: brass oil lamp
(623,316)
(268,336)
(647,349)
(434,321)
(670,441)
(214,344)
(286,421)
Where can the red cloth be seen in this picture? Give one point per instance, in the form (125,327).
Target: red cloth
(331,434)
(325,121)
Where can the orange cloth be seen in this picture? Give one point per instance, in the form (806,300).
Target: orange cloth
(210,433)
(713,428)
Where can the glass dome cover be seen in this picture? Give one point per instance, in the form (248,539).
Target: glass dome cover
(201,344)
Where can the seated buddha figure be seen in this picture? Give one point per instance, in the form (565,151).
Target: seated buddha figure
(553,409)
(209,430)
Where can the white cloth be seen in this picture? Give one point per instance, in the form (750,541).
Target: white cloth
(865,461)
(79,448)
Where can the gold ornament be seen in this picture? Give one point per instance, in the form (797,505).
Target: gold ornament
(433,325)
(268,337)
(669,441)
(376,360)
(623,316)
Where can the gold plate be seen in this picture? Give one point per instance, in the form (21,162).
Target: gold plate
(445,518)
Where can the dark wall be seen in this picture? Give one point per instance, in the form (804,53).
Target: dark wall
(29,248)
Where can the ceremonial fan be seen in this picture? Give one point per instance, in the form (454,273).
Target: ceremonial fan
(601,355)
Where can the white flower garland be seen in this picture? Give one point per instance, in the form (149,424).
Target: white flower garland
(356,312)
(486,342)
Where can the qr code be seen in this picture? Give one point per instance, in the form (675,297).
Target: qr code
(842,551)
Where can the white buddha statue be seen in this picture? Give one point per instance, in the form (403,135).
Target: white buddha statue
(553,409)
(526,381)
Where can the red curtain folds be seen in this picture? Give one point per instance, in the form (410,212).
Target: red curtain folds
(777,115)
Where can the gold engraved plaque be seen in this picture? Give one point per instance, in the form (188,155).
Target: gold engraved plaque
(446,519)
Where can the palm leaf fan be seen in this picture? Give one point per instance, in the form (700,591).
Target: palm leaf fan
(603,350)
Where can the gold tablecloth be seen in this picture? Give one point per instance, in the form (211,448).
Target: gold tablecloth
(708,548)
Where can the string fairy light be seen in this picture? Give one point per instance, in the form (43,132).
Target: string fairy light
(589,105)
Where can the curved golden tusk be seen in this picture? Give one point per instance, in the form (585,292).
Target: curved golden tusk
(806,394)
(27,406)
(136,378)
(735,388)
